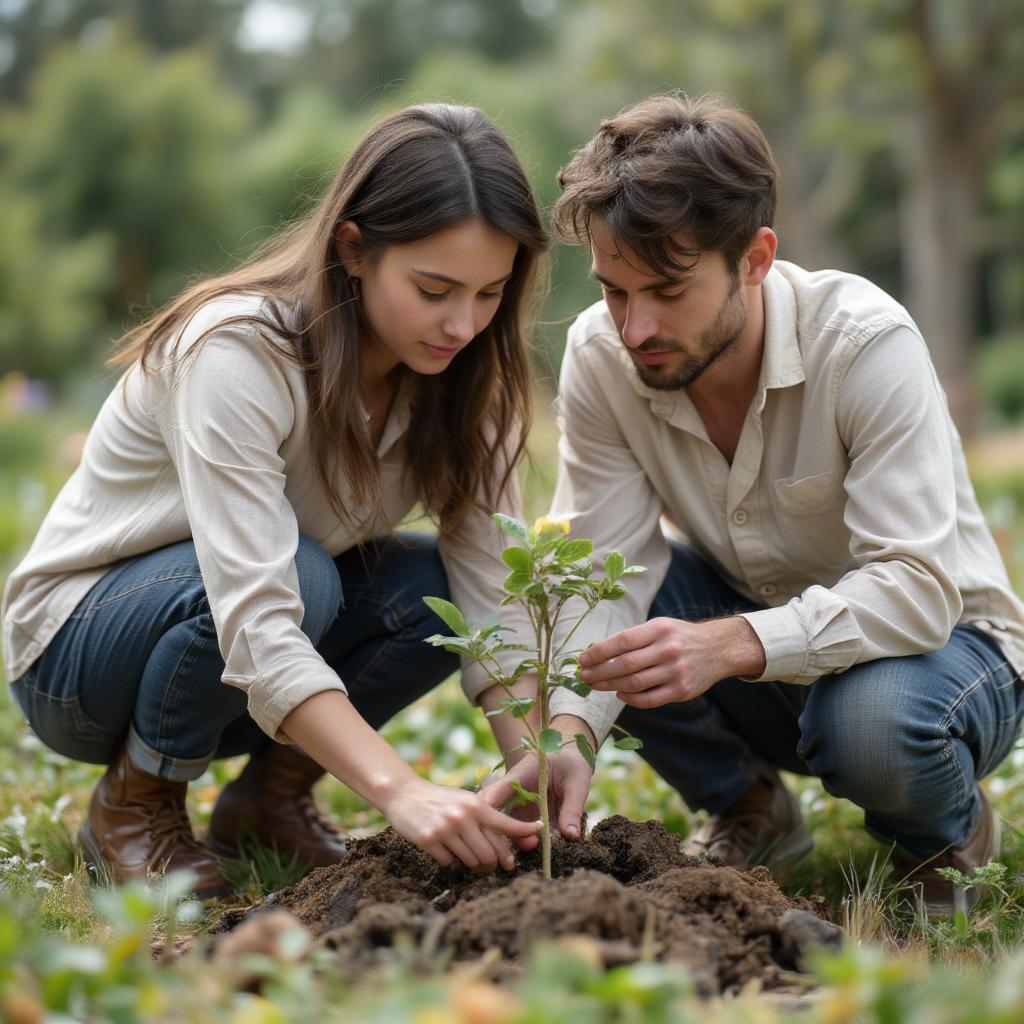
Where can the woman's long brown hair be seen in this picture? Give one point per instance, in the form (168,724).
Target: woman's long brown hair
(415,173)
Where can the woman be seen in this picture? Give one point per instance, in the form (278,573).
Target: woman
(271,423)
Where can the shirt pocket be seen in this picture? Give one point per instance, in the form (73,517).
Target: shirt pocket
(808,495)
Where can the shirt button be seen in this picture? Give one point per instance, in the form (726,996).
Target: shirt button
(767,590)
(739,517)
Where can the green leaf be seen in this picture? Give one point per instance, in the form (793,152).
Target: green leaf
(571,588)
(519,706)
(580,688)
(454,644)
(512,527)
(551,741)
(584,747)
(573,550)
(448,613)
(529,665)
(516,582)
(634,570)
(525,795)
(560,679)
(614,566)
(629,743)
(517,559)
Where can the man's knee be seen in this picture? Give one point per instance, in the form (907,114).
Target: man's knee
(867,744)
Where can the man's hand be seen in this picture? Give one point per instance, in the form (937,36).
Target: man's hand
(568,783)
(667,660)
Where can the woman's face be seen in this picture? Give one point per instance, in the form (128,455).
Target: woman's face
(426,301)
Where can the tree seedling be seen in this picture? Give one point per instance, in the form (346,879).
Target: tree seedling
(549,570)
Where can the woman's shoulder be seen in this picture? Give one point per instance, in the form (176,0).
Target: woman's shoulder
(253,326)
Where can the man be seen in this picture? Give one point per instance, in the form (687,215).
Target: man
(839,607)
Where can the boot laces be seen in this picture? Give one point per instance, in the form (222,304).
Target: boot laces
(171,825)
(307,808)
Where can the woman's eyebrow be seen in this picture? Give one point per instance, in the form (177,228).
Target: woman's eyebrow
(451,280)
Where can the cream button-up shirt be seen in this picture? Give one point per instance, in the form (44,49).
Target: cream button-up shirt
(215,448)
(847,512)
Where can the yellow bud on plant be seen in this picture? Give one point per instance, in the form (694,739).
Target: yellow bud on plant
(544,525)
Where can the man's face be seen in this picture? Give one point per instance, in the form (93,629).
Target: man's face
(674,327)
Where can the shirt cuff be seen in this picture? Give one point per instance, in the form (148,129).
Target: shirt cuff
(785,644)
(598,709)
(271,702)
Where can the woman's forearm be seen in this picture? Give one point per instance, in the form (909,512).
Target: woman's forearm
(330,730)
(509,730)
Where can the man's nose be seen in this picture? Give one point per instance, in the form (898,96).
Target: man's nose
(639,326)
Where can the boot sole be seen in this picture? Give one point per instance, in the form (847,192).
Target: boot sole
(99,867)
(103,873)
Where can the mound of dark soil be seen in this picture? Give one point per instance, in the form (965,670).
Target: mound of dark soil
(628,888)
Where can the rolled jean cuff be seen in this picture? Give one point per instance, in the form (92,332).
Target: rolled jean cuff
(152,762)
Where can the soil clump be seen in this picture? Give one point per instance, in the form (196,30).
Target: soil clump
(628,889)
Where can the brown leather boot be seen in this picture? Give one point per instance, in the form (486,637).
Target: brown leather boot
(138,827)
(763,827)
(271,801)
(928,889)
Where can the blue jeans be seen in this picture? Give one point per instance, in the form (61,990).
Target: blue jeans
(903,738)
(138,660)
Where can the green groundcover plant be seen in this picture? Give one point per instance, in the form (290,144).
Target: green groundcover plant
(553,578)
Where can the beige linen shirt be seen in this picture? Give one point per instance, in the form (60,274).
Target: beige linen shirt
(216,448)
(847,511)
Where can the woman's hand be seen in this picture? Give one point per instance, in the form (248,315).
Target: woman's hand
(451,824)
(569,777)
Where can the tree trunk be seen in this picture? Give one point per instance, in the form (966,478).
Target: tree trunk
(938,208)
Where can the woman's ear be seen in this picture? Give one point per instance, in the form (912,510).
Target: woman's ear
(347,239)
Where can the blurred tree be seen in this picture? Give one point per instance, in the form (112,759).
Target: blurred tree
(963,101)
(117,145)
(29,29)
(51,293)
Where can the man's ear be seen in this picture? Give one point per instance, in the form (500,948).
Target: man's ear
(759,257)
(347,239)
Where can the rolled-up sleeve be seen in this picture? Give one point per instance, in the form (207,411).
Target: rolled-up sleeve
(228,411)
(901,513)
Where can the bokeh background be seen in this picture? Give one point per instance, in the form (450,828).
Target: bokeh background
(143,143)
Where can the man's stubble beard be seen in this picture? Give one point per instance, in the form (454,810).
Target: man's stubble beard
(715,340)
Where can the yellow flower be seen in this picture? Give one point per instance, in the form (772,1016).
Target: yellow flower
(545,525)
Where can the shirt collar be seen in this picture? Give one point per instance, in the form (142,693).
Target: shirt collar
(782,366)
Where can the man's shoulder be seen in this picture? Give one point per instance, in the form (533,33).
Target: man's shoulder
(593,329)
(830,303)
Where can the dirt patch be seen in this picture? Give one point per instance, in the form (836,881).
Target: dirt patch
(628,889)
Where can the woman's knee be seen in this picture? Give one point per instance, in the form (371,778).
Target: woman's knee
(63,726)
(320,587)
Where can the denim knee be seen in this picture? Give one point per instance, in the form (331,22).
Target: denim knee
(320,587)
(871,746)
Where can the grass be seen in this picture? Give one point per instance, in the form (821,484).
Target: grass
(46,897)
